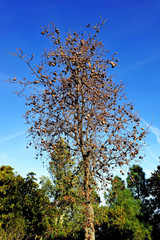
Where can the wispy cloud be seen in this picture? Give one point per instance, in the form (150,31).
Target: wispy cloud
(156,132)
(153,129)
(151,164)
(5,139)
(138,64)
(152,154)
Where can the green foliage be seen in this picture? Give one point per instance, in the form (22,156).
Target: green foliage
(22,197)
(117,187)
(10,194)
(154,186)
(132,208)
(66,224)
(35,205)
(113,217)
(149,193)
(110,223)
(15,229)
(136,182)
(27,213)
(47,186)
(151,206)
(65,191)
(121,197)
(67,180)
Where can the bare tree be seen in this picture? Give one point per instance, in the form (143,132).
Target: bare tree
(74,96)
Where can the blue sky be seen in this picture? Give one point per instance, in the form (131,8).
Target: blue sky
(132,30)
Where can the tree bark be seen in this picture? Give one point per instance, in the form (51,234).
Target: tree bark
(89,227)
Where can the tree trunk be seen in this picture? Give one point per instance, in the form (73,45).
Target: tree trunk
(89,227)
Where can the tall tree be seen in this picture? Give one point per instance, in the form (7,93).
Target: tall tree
(22,200)
(66,178)
(9,201)
(153,203)
(137,182)
(74,96)
(132,226)
(65,188)
(116,189)
(47,186)
(154,185)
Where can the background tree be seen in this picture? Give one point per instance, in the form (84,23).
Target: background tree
(22,200)
(137,182)
(66,178)
(35,206)
(65,190)
(154,185)
(132,227)
(138,185)
(10,185)
(152,204)
(74,96)
(47,185)
(117,187)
